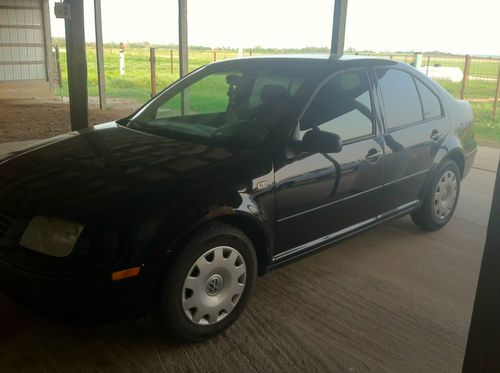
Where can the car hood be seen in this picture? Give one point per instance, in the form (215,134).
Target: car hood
(110,171)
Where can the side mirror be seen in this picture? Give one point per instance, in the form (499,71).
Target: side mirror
(316,141)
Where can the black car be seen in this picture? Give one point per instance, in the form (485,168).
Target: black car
(234,170)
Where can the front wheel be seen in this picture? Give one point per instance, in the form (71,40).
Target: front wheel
(209,284)
(440,203)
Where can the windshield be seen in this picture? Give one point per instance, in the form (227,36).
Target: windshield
(242,106)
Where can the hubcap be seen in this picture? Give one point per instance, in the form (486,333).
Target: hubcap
(445,195)
(214,285)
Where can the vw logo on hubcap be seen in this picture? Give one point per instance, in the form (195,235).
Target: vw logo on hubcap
(214,285)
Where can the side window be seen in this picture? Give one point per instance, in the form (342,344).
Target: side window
(400,97)
(342,106)
(430,102)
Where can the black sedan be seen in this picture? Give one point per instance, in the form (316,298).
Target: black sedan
(234,170)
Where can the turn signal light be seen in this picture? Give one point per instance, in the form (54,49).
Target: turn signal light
(126,273)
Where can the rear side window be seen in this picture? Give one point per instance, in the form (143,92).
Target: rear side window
(430,102)
(342,106)
(400,97)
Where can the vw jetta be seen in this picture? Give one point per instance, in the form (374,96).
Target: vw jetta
(236,169)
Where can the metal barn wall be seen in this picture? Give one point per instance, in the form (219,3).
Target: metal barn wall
(25,49)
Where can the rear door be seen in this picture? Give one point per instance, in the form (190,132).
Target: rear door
(322,196)
(415,126)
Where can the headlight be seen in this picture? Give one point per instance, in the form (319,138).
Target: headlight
(51,236)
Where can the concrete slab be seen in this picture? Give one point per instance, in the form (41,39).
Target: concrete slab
(487,158)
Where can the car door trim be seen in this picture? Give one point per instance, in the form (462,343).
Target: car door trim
(346,232)
(407,177)
(330,203)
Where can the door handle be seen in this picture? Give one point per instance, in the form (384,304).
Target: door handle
(436,135)
(373,155)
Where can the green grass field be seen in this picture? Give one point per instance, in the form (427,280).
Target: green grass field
(136,84)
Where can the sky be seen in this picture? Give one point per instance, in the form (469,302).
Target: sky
(456,26)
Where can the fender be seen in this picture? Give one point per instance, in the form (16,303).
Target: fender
(451,148)
(249,215)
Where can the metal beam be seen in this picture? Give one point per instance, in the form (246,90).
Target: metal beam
(183,38)
(100,54)
(49,62)
(338,32)
(77,66)
(183,52)
(483,345)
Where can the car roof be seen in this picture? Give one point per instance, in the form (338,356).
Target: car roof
(316,59)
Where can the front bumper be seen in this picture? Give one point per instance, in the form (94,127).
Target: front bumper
(87,297)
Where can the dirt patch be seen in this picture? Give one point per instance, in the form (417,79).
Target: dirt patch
(37,119)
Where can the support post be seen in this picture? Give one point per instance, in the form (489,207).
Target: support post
(483,345)
(77,66)
(497,94)
(465,77)
(428,64)
(183,38)
(215,56)
(338,32)
(100,53)
(152,61)
(49,63)
(183,52)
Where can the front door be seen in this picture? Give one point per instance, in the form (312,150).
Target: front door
(322,196)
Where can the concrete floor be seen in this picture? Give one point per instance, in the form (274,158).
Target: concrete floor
(394,299)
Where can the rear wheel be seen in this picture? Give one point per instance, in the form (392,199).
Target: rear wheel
(209,284)
(440,203)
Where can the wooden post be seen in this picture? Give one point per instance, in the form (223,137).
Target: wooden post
(215,56)
(465,77)
(482,352)
(152,61)
(58,67)
(77,66)
(428,64)
(171,61)
(497,94)
(391,57)
(122,59)
(250,53)
(100,54)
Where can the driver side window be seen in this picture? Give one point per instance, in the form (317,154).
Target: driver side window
(343,106)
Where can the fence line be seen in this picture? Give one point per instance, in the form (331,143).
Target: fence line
(473,78)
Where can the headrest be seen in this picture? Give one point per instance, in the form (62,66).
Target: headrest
(271,92)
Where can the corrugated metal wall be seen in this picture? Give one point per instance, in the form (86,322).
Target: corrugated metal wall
(22,44)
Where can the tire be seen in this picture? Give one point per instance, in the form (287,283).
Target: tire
(195,292)
(441,200)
